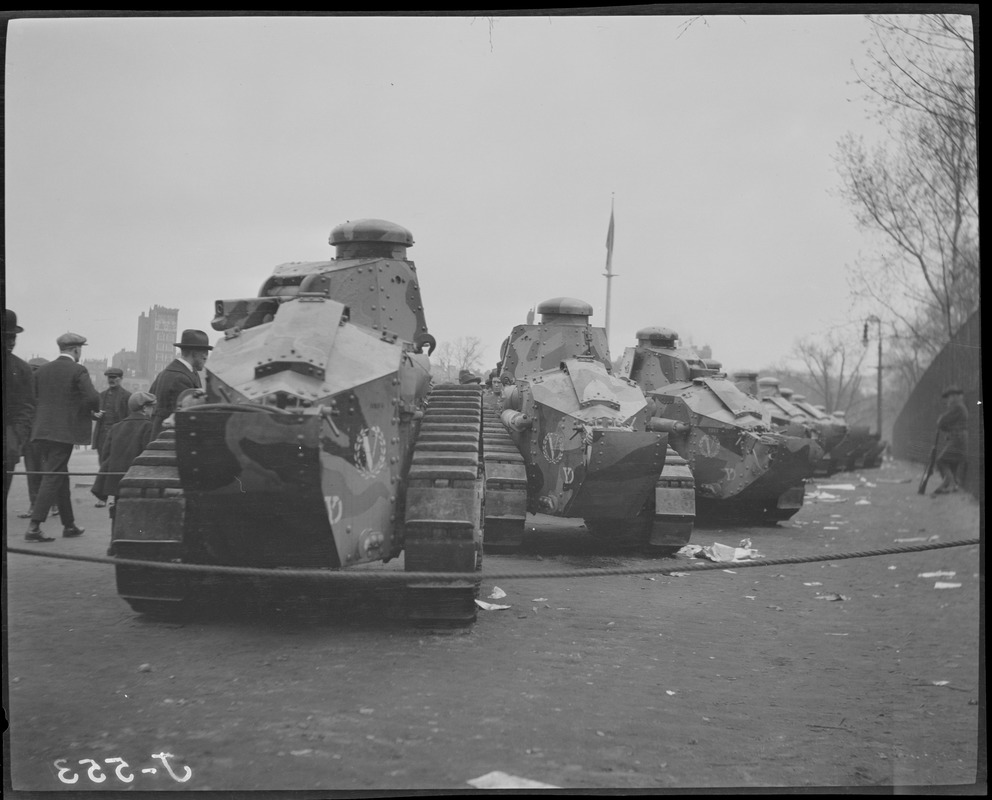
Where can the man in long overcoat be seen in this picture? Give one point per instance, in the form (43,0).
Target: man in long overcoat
(18,399)
(113,406)
(65,400)
(953,427)
(126,441)
(181,374)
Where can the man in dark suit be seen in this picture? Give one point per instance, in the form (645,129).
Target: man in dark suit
(18,399)
(113,408)
(181,374)
(65,400)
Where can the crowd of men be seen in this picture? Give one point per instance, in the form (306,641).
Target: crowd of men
(51,408)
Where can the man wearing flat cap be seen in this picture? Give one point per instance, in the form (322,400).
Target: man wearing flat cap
(181,374)
(113,406)
(18,399)
(66,400)
(953,427)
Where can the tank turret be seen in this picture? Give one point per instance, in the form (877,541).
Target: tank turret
(565,437)
(319,442)
(742,468)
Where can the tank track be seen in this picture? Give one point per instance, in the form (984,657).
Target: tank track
(150,501)
(506,483)
(444,514)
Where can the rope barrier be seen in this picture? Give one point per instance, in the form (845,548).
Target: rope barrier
(67,474)
(393,576)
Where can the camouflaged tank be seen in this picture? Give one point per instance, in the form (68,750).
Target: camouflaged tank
(318,443)
(742,468)
(786,417)
(564,436)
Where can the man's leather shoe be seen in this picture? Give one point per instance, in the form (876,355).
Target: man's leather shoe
(73,531)
(37,536)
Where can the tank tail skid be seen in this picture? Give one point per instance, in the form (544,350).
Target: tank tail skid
(445,506)
(506,483)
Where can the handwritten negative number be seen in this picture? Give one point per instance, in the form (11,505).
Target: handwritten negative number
(94,772)
(121,764)
(63,771)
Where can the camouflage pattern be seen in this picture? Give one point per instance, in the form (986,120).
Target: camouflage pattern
(299,452)
(581,430)
(739,463)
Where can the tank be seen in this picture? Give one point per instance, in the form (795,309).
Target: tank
(319,442)
(849,443)
(786,417)
(564,436)
(743,469)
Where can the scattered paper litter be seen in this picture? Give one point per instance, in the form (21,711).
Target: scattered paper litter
(847,487)
(813,583)
(726,553)
(912,539)
(540,600)
(940,683)
(937,574)
(893,480)
(946,585)
(831,528)
(832,596)
(490,606)
(689,550)
(669,692)
(679,574)
(496,593)
(503,780)
(863,502)
(836,634)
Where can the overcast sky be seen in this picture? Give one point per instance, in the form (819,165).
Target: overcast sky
(177,161)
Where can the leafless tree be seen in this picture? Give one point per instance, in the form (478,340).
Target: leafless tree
(831,370)
(918,189)
(451,358)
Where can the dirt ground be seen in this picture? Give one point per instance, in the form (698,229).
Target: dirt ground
(750,677)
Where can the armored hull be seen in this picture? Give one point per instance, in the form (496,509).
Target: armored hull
(742,468)
(568,438)
(317,443)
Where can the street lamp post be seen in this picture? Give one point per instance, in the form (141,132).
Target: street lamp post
(878,384)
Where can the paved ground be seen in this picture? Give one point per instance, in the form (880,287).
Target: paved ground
(746,678)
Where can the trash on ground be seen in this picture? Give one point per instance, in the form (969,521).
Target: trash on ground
(863,502)
(937,574)
(726,553)
(836,634)
(946,585)
(678,574)
(503,780)
(540,600)
(490,606)
(813,583)
(145,668)
(911,539)
(893,480)
(832,596)
(496,593)
(847,487)
(669,692)
(940,683)
(831,528)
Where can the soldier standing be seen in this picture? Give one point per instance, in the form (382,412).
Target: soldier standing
(181,374)
(18,400)
(65,400)
(953,424)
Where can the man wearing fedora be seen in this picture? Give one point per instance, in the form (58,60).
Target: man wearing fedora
(953,426)
(181,374)
(65,400)
(18,399)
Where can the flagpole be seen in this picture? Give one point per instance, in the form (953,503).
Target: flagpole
(609,270)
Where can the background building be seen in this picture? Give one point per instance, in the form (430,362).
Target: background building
(156,338)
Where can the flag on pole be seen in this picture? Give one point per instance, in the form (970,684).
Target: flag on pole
(609,244)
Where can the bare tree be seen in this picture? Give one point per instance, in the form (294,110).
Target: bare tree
(831,371)
(918,190)
(451,358)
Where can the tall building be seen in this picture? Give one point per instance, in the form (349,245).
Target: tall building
(96,367)
(127,360)
(156,338)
